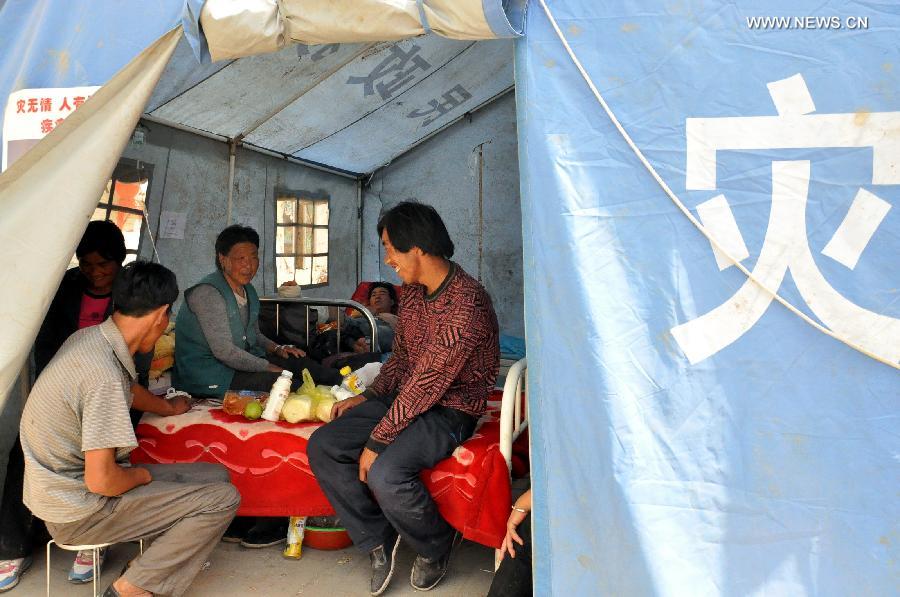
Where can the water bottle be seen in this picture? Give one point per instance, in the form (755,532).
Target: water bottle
(280,389)
(352,382)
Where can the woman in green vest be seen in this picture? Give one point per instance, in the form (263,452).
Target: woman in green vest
(219,345)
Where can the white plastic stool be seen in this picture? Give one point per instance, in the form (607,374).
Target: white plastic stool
(95,548)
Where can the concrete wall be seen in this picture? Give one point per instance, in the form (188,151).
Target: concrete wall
(190,175)
(444,172)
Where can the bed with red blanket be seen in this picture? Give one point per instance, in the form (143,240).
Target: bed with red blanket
(268,465)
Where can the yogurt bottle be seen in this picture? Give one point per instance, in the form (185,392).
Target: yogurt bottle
(280,390)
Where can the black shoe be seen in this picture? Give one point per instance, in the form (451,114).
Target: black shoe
(428,572)
(238,528)
(266,532)
(383,566)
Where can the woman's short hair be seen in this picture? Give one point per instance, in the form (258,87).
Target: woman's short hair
(233,235)
(142,286)
(410,224)
(104,238)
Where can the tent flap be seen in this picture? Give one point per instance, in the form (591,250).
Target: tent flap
(691,435)
(233,30)
(78,156)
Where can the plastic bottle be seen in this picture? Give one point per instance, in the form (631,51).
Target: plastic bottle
(352,381)
(280,389)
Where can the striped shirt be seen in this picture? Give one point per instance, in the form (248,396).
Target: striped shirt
(446,351)
(80,402)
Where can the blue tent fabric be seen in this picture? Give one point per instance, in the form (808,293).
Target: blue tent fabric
(70,43)
(752,455)
(193,32)
(765,463)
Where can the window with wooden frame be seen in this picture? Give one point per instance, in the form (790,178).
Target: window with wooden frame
(301,239)
(123,203)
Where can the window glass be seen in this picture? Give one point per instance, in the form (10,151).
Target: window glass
(303,270)
(320,270)
(284,240)
(286,211)
(130,224)
(320,241)
(306,241)
(301,239)
(321,211)
(307,213)
(130,194)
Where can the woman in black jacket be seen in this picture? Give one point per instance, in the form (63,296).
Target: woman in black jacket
(84,297)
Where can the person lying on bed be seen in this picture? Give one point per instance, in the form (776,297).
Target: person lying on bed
(424,403)
(356,333)
(382,302)
(219,347)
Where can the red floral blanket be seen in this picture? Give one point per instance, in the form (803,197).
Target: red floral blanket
(269,467)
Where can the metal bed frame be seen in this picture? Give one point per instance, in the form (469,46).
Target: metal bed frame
(324,302)
(513,419)
(513,409)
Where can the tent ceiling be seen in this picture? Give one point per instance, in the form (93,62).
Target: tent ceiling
(352,107)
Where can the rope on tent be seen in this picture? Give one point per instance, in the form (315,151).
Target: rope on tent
(678,203)
(150,232)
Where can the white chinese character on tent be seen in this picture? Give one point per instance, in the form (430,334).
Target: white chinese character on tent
(786,246)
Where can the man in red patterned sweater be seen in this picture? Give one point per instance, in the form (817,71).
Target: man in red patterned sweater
(424,403)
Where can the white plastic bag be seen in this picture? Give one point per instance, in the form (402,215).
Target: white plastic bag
(368,372)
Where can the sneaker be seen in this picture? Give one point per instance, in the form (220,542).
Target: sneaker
(238,529)
(428,572)
(382,566)
(11,571)
(82,570)
(266,532)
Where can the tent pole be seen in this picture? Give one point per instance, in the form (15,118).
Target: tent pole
(359,230)
(480,208)
(187,129)
(251,147)
(232,151)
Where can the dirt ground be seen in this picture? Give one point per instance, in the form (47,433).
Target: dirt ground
(235,571)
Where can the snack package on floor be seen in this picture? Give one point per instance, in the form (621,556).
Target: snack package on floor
(296,529)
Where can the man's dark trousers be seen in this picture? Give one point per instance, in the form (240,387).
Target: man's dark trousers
(395,497)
